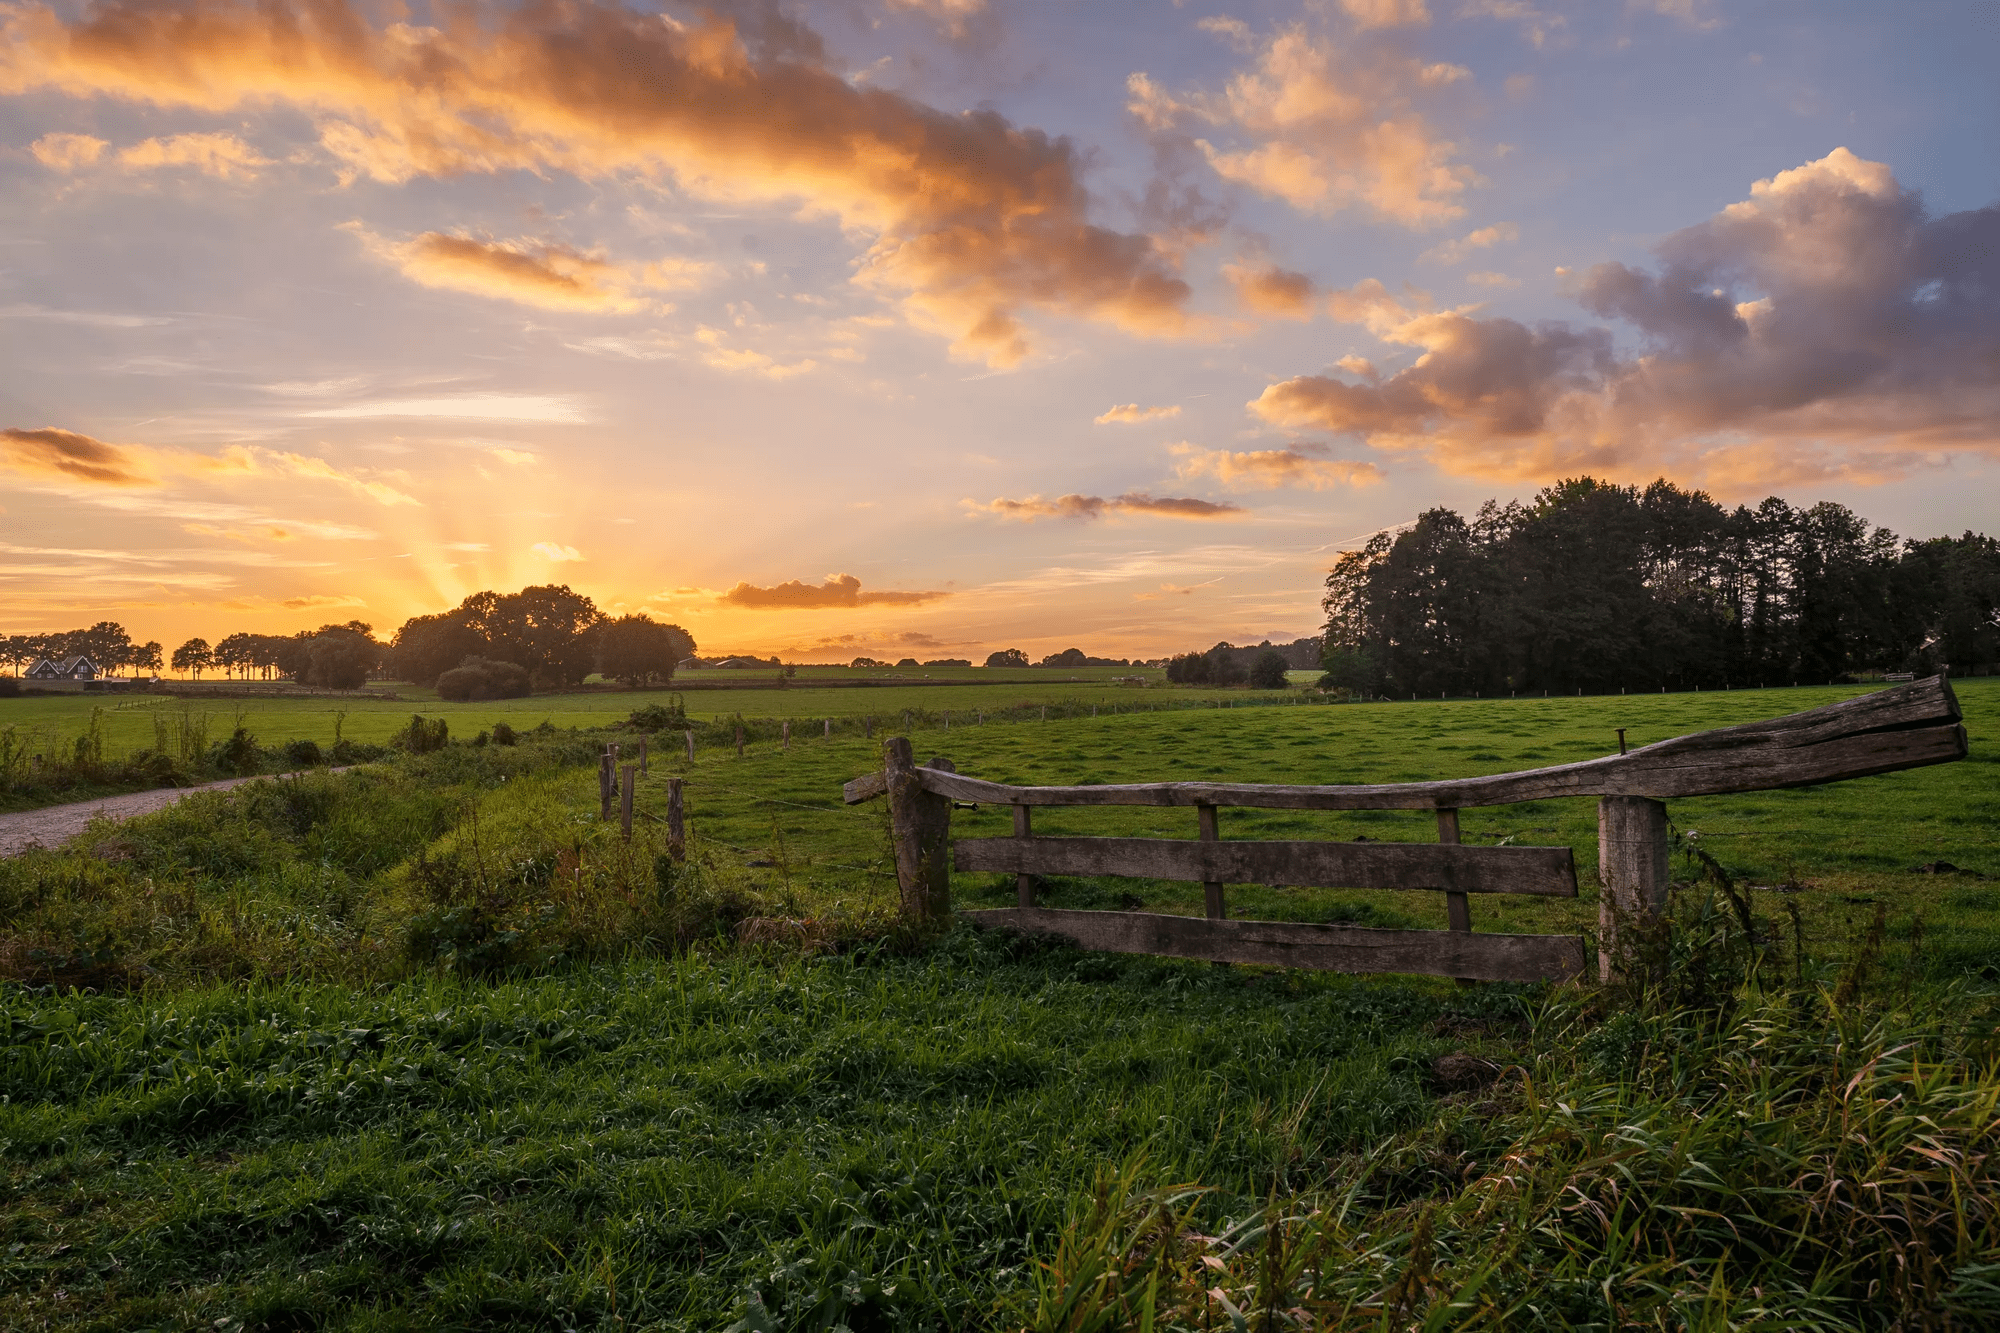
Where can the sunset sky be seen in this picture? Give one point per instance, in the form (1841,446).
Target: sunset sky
(931,327)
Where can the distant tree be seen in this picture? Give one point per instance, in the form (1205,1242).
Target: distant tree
(1007,657)
(949,662)
(866,662)
(1068,657)
(639,650)
(236,653)
(1189,669)
(192,656)
(428,646)
(337,658)
(146,657)
(1268,671)
(20,650)
(546,630)
(909,662)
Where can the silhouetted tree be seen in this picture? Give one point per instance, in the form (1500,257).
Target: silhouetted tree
(1268,671)
(192,656)
(1007,657)
(639,650)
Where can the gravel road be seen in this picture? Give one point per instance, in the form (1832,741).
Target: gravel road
(53,825)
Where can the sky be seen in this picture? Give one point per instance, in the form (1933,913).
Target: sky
(932,327)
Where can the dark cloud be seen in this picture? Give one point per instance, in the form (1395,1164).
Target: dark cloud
(839,590)
(1097,506)
(74,457)
(1824,327)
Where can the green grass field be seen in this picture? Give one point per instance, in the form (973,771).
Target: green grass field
(51,722)
(429,1046)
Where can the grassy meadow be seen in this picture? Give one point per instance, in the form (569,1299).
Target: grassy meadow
(428,1045)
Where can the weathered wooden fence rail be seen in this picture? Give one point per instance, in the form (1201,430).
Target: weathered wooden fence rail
(1908,726)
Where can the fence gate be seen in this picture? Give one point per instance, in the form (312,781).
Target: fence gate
(1908,726)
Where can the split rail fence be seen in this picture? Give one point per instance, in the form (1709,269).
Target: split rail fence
(1908,726)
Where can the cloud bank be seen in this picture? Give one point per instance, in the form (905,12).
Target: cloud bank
(1271,468)
(1824,328)
(837,592)
(1034,507)
(973,220)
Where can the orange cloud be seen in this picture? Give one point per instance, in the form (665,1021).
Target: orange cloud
(556,552)
(1097,506)
(1132,412)
(1270,468)
(974,220)
(67,152)
(1455,252)
(1270,290)
(838,591)
(1824,328)
(1325,124)
(221,155)
(72,457)
(546,274)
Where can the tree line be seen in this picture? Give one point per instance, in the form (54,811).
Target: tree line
(1598,587)
(492,645)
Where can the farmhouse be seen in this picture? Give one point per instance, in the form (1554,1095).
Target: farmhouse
(67,668)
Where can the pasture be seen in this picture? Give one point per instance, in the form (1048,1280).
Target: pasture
(429,1045)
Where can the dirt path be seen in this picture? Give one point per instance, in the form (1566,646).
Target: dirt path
(53,825)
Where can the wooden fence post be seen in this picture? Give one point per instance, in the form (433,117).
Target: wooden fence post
(739,740)
(829,727)
(625,801)
(787,736)
(920,824)
(690,740)
(1211,892)
(676,821)
(1457,912)
(1631,871)
(1024,883)
(604,785)
(642,754)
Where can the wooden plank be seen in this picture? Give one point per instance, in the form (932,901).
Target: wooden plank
(1908,726)
(1439,953)
(1547,871)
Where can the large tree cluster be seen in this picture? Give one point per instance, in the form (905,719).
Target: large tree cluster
(106,643)
(1600,587)
(555,635)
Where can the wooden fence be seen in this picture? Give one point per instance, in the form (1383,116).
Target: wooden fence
(1908,726)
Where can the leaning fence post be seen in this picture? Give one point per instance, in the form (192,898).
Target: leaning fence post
(625,802)
(920,824)
(676,821)
(1632,872)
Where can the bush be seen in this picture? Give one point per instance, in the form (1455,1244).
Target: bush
(659,717)
(479,678)
(238,754)
(304,754)
(1268,671)
(9,688)
(423,735)
(504,734)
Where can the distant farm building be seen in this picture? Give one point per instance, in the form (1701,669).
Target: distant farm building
(68,668)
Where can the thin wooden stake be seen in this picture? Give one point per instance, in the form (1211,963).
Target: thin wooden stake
(690,740)
(1456,908)
(642,754)
(739,741)
(787,734)
(829,727)
(625,801)
(676,822)
(604,785)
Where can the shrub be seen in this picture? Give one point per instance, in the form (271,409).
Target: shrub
(423,735)
(304,754)
(659,717)
(1268,671)
(238,754)
(480,678)
(9,688)
(504,734)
